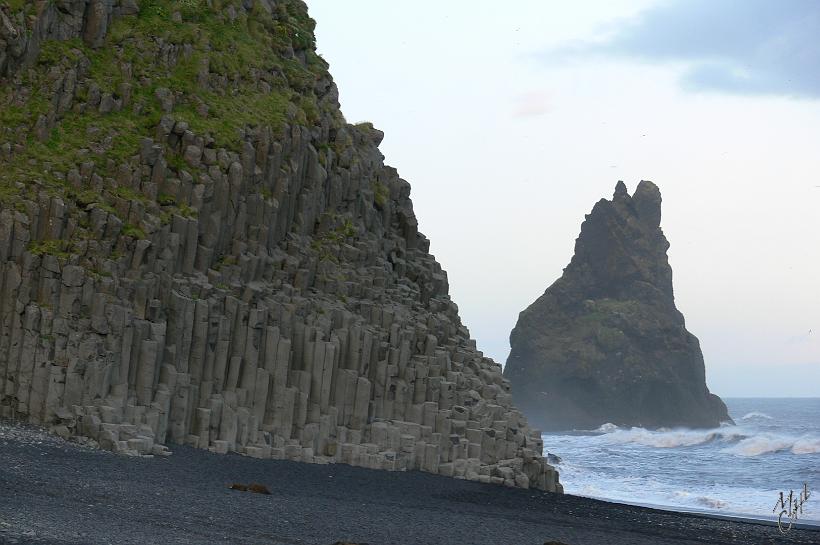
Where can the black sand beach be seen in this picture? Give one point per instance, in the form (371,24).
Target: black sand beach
(52,492)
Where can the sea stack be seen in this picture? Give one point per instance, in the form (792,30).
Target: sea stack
(196,248)
(605,343)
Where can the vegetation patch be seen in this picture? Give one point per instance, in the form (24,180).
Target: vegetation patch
(225,68)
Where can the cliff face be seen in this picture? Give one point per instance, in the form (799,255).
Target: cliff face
(196,248)
(605,343)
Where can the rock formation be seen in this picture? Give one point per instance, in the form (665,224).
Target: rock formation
(196,248)
(605,343)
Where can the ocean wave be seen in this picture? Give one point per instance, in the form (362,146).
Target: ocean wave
(675,438)
(741,441)
(653,493)
(609,427)
(769,443)
(738,469)
(756,415)
(806,445)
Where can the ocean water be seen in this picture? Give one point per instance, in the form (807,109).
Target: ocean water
(730,470)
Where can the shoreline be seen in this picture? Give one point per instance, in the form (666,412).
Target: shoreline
(58,493)
(730,472)
(801,524)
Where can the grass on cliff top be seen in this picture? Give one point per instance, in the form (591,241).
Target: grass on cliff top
(17,4)
(238,51)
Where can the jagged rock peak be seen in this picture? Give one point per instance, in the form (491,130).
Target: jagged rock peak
(647,201)
(605,342)
(620,191)
(196,248)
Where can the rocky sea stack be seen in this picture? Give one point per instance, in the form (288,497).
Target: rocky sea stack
(605,343)
(196,248)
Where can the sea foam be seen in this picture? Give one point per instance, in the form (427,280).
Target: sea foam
(737,469)
(806,445)
(755,415)
(766,443)
(674,438)
(743,442)
(609,427)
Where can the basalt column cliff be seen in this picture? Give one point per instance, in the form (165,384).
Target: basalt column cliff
(196,248)
(605,343)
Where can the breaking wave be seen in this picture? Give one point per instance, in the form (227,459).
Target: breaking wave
(652,491)
(756,415)
(735,469)
(739,441)
(673,438)
(768,443)
(806,445)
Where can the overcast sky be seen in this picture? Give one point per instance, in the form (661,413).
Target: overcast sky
(511,119)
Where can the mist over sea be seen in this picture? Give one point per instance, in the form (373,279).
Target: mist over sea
(739,469)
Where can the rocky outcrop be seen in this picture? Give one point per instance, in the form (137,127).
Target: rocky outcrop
(23,31)
(196,248)
(605,343)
